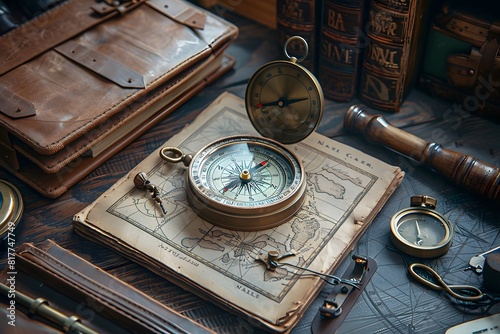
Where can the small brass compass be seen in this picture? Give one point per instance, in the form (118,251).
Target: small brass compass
(420,230)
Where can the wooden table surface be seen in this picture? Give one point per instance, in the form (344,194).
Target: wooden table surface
(475,222)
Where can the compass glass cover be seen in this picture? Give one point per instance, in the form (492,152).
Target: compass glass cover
(422,230)
(245,172)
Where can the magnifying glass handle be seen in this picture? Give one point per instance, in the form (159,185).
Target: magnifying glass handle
(464,170)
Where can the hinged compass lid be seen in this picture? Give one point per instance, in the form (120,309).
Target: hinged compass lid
(284,101)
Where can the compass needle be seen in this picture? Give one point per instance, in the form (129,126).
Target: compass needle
(258,166)
(281,102)
(230,186)
(419,234)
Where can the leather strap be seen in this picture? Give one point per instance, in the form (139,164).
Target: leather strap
(15,106)
(489,50)
(73,276)
(465,70)
(8,155)
(466,27)
(102,64)
(180,12)
(473,70)
(54,27)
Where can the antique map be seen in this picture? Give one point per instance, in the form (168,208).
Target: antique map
(345,190)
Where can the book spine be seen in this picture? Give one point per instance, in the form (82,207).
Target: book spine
(340,51)
(261,11)
(391,58)
(299,18)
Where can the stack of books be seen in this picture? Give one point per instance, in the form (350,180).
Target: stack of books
(365,48)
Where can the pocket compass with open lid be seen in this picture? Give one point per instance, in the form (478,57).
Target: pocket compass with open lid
(249,182)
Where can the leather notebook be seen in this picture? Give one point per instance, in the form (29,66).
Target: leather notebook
(76,288)
(84,79)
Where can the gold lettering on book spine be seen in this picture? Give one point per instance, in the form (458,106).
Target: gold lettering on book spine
(337,53)
(292,9)
(383,57)
(381,22)
(335,20)
(375,87)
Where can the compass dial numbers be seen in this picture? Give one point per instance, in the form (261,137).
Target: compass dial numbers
(245,173)
(284,101)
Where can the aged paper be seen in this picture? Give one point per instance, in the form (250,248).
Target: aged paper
(345,190)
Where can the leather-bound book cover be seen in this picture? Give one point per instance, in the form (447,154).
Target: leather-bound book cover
(340,48)
(395,32)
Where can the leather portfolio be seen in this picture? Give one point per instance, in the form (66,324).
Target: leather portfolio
(49,280)
(84,79)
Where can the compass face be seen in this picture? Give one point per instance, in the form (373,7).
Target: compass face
(421,232)
(284,101)
(246,183)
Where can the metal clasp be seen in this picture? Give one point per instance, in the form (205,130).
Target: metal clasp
(332,306)
(122,6)
(272,257)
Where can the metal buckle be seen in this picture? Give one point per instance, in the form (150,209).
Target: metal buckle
(108,6)
(343,296)
(332,306)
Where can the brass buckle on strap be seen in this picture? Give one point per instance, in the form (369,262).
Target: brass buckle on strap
(122,6)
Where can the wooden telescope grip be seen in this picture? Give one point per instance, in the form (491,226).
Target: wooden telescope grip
(464,170)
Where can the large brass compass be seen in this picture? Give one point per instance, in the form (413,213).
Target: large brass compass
(249,182)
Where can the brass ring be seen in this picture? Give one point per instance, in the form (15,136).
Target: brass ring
(291,39)
(176,156)
(69,323)
(33,309)
(11,208)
